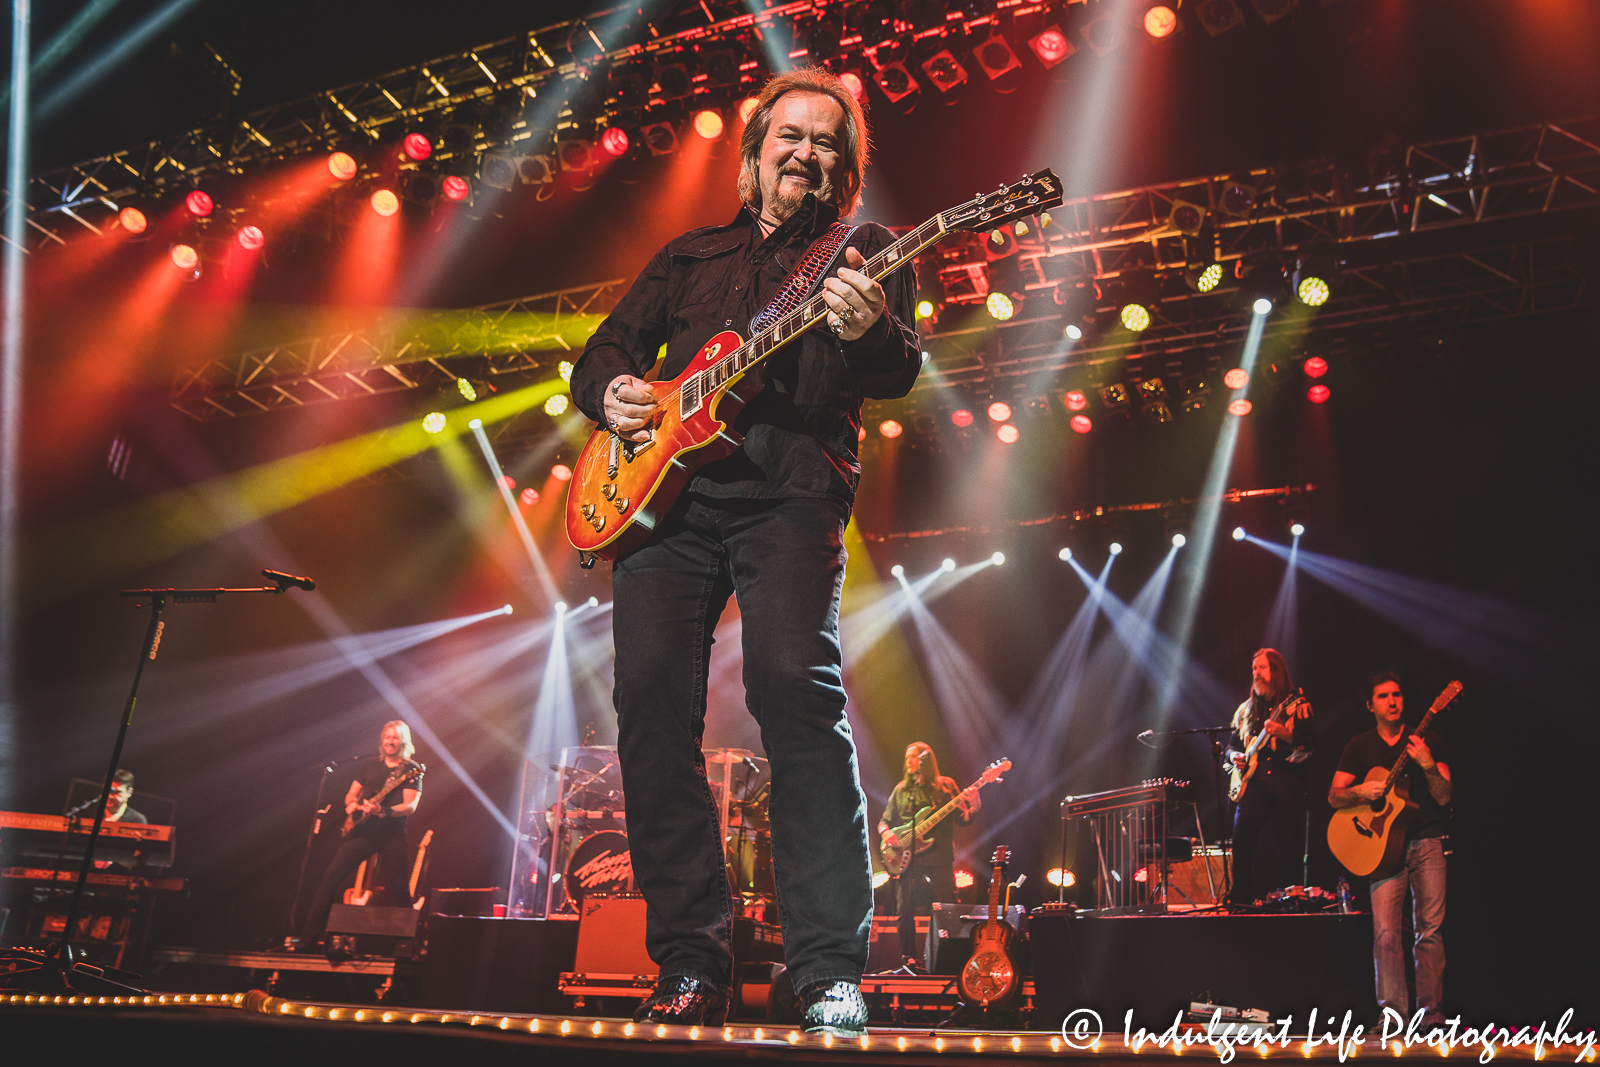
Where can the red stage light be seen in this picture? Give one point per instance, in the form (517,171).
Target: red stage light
(999,411)
(1075,400)
(1160,21)
(1051,46)
(561,472)
(1318,394)
(183,257)
(1008,434)
(861,434)
(890,428)
(614,140)
(198,203)
(852,81)
(455,188)
(342,165)
(509,482)
(385,203)
(961,417)
(1240,407)
(417,147)
(530,497)
(708,124)
(1081,424)
(132,220)
(251,238)
(1316,367)
(963,879)
(1237,378)
(747,106)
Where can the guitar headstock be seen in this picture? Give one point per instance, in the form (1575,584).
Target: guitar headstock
(993,772)
(1029,196)
(1002,855)
(1445,698)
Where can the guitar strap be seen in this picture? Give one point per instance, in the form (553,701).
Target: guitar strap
(800,285)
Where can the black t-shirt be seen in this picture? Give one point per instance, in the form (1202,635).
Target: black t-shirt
(372,773)
(129,815)
(903,804)
(1366,751)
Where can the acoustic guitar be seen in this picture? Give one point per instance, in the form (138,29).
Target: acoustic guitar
(406,772)
(990,976)
(1371,837)
(916,831)
(1239,777)
(621,489)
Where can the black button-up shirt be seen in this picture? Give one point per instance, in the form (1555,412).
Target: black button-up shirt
(801,431)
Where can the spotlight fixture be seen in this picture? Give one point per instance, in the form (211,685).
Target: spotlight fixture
(1059,876)
(964,879)
(575,155)
(475,424)
(961,417)
(1000,411)
(1160,22)
(1237,378)
(342,165)
(880,879)
(433,422)
(747,106)
(1203,277)
(592,602)
(1051,46)
(1074,400)
(507,481)
(198,203)
(944,72)
(1314,275)
(556,405)
(660,138)
(184,257)
(1000,307)
(564,370)
(1237,199)
(132,220)
(897,84)
(898,571)
(673,77)
(1113,396)
(708,123)
(1188,219)
(561,472)
(1073,332)
(1008,434)
(998,558)
(1296,529)
(1135,317)
(1081,424)
(250,238)
(466,389)
(925,309)
(561,607)
(1262,306)
(1196,393)
(1239,407)
(455,188)
(1318,394)
(529,497)
(498,172)
(999,62)
(416,147)
(614,141)
(1316,367)
(384,202)
(1138,299)
(1238,533)
(1178,540)
(1064,555)
(948,565)
(890,429)
(1116,548)
(1312,291)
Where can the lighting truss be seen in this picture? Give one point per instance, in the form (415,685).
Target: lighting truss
(431,350)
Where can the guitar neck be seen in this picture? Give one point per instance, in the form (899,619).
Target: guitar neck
(1400,764)
(921,829)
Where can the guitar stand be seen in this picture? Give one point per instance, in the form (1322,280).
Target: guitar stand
(59,971)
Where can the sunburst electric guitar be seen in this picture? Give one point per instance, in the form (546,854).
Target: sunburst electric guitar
(1371,837)
(621,489)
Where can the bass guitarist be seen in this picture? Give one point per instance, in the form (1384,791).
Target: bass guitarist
(376,828)
(1269,823)
(1423,870)
(930,875)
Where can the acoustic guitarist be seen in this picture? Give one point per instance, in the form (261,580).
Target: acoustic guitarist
(1269,823)
(380,829)
(931,873)
(1423,870)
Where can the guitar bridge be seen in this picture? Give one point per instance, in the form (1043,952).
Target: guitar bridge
(633,449)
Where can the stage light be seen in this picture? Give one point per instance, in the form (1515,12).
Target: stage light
(747,106)
(1057,876)
(897,570)
(433,422)
(880,879)
(998,61)
(1178,540)
(925,309)
(1315,274)
(660,138)
(1081,424)
(1000,307)
(1135,317)
(454,187)
(556,405)
(1075,400)
(1316,367)
(250,238)
(1051,46)
(1116,548)
(1238,533)
(998,559)
(999,411)
(1073,331)
(852,81)
(1188,219)
(1204,279)
(961,417)
(708,124)
(1297,529)
(1237,378)
(475,424)
(948,565)
(561,607)
(132,220)
(1318,394)
(1160,21)
(342,165)
(592,602)
(1064,555)
(184,257)
(1240,406)
(1262,306)
(416,147)
(1008,434)
(199,203)
(926,355)
(614,141)
(891,429)
(561,472)
(466,389)
(564,369)
(964,879)
(508,482)
(530,497)
(1313,292)
(385,203)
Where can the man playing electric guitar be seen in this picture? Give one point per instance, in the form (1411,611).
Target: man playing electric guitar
(380,828)
(1269,823)
(1423,871)
(930,875)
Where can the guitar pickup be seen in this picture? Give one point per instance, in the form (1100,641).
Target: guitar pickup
(611,457)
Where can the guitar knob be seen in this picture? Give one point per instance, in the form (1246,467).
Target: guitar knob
(621,504)
(597,521)
(587,511)
(609,491)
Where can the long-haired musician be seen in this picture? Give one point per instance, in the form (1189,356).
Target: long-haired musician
(931,874)
(1269,822)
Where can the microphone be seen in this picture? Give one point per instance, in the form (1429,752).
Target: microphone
(1147,735)
(286,580)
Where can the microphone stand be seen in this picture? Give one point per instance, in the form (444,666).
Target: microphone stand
(57,967)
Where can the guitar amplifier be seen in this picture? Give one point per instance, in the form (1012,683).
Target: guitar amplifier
(611,936)
(950,935)
(1189,885)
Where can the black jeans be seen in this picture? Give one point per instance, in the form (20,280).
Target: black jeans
(785,561)
(916,891)
(386,837)
(1269,828)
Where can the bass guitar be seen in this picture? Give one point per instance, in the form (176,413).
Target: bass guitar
(1239,777)
(1371,836)
(990,977)
(621,489)
(406,772)
(914,834)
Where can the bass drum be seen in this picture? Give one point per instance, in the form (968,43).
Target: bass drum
(600,864)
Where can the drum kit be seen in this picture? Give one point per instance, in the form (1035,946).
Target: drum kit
(575,838)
